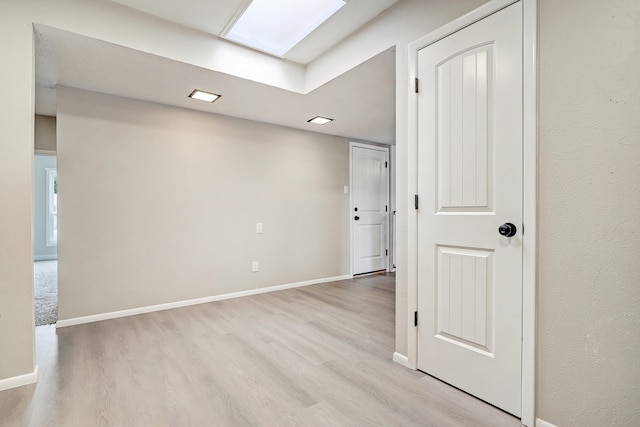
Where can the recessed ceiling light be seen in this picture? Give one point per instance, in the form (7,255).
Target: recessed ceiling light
(319,120)
(204,96)
(275,26)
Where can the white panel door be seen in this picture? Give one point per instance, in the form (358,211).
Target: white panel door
(470,183)
(369,213)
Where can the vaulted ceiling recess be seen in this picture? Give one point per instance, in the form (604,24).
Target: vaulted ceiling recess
(276,26)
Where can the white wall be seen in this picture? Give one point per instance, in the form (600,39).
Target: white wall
(159,204)
(40,249)
(589,213)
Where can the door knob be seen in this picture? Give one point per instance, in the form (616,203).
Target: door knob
(356,218)
(507,229)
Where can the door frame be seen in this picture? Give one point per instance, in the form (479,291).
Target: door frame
(530,176)
(388,221)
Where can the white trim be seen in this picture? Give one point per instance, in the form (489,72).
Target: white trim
(543,423)
(45,152)
(530,198)
(45,257)
(457,24)
(401,359)
(385,149)
(20,380)
(530,164)
(412,213)
(393,198)
(350,209)
(149,309)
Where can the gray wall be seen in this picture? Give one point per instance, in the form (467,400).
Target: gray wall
(95,19)
(159,204)
(45,134)
(40,249)
(17,356)
(397,26)
(589,213)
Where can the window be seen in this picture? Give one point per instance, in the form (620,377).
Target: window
(52,206)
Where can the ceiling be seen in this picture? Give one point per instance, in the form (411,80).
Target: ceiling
(213,17)
(362,101)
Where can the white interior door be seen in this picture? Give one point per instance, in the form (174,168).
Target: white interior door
(369,208)
(470,183)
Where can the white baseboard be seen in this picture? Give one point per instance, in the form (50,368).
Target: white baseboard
(20,380)
(141,310)
(401,359)
(543,423)
(44,257)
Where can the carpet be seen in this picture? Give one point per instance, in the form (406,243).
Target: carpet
(45,281)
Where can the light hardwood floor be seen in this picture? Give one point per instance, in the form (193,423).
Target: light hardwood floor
(313,356)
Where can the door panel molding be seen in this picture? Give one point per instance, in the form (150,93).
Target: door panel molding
(530,165)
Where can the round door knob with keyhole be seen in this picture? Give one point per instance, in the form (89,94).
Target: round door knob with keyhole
(507,229)
(356,218)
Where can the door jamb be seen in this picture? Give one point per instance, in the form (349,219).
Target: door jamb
(388,222)
(530,177)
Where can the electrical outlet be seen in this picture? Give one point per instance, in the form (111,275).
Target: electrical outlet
(346,189)
(255,266)
(259,227)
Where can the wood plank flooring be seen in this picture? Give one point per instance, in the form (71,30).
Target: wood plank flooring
(313,356)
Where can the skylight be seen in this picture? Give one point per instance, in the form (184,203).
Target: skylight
(275,26)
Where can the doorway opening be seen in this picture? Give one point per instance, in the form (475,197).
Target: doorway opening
(45,239)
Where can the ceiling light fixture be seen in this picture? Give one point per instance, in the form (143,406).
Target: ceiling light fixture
(319,120)
(275,26)
(204,96)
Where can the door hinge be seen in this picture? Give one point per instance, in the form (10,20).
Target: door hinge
(415,318)
(415,201)
(386,252)
(417,85)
